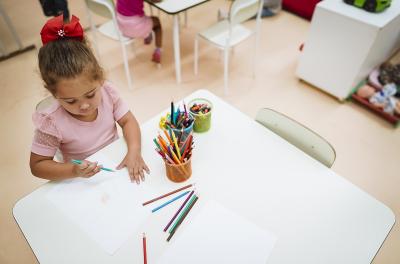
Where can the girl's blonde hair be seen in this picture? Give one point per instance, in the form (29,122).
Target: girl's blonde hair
(65,59)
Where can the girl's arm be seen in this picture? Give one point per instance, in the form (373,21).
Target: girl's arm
(131,130)
(46,168)
(133,159)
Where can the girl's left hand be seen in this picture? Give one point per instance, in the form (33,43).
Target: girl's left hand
(135,165)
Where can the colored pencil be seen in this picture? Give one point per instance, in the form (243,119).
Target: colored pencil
(79,162)
(187,150)
(158,145)
(180,209)
(186,113)
(169,159)
(170,201)
(172,112)
(184,143)
(166,134)
(182,214)
(144,249)
(167,194)
(163,144)
(176,145)
(183,218)
(177,161)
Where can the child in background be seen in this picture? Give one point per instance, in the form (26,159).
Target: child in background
(82,119)
(134,23)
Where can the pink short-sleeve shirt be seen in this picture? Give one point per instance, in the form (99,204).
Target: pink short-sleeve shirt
(76,139)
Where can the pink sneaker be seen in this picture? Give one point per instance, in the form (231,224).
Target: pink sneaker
(149,39)
(157,56)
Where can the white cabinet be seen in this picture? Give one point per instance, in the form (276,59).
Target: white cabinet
(345,43)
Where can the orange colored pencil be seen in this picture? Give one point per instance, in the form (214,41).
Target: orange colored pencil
(168,137)
(163,144)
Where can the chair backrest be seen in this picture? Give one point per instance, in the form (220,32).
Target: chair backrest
(242,10)
(104,8)
(46,102)
(298,135)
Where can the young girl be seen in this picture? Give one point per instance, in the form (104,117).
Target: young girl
(134,23)
(82,119)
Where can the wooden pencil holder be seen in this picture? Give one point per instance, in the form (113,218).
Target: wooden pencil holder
(179,172)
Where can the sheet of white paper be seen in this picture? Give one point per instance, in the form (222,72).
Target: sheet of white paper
(218,235)
(108,207)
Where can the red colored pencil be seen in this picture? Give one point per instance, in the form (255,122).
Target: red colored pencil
(144,249)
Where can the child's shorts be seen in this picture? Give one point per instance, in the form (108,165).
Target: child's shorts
(135,26)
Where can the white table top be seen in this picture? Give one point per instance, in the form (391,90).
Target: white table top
(375,19)
(176,6)
(317,216)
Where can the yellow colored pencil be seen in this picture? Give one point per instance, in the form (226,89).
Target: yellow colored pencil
(175,157)
(176,144)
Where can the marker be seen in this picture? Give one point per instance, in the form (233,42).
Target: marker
(79,162)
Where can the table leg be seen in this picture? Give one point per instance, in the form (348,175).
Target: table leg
(177,49)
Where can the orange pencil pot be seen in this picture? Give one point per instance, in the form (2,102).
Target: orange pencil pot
(179,172)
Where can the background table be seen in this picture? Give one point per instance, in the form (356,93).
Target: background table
(174,7)
(317,216)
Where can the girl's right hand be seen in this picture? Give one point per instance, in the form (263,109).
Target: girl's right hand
(86,169)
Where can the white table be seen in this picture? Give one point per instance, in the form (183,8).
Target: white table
(174,7)
(345,43)
(317,216)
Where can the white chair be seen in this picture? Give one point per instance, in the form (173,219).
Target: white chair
(227,33)
(298,135)
(106,8)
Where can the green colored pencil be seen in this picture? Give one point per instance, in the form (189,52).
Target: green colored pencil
(172,229)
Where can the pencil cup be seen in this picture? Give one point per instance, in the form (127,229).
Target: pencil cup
(182,134)
(179,172)
(202,121)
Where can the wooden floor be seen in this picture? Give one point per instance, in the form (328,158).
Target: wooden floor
(368,149)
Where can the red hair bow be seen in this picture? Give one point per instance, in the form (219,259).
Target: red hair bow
(55,29)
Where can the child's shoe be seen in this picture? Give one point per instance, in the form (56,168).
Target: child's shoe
(148,40)
(157,56)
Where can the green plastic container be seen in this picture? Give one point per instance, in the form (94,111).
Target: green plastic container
(202,122)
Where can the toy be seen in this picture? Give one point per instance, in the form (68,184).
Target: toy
(366,91)
(389,73)
(374,6)
(384,99)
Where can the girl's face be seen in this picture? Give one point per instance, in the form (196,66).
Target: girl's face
(80,96)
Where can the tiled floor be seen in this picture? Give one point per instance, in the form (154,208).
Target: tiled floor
(368,149)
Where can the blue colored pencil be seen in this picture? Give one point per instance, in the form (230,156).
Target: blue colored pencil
(79,162)
(170,201)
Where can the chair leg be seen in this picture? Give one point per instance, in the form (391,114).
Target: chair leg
(126,65)
(196,55)
(255,56)
(93,29)
(226,70)
(186,19)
